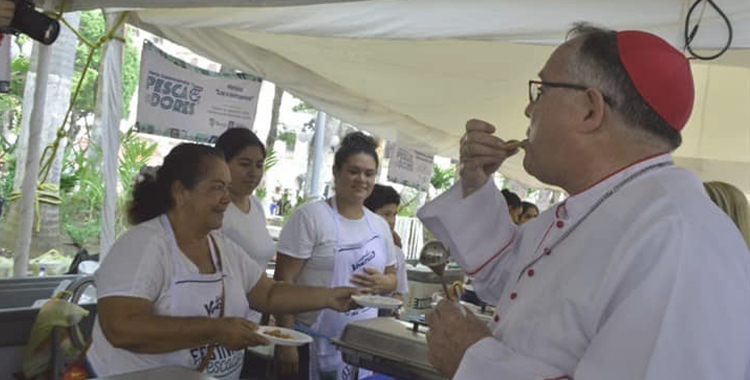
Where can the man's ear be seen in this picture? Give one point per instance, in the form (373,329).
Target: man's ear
(594,108)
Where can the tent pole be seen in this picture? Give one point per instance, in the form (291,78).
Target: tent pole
(29,185)
(319,154)
(108,115)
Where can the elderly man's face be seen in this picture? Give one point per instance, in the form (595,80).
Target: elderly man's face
(550,120)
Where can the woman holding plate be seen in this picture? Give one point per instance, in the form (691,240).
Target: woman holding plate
(335,242)
(173,291)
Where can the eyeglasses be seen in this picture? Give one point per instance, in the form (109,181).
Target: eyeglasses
(536,90)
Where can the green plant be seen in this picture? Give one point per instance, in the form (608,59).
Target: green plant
(271,160)
(409,200)
(442,178)
(82,192)
(134,154)
(302,106)
(289,138)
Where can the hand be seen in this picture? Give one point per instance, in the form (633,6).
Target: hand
(238,333)
(7,9)
(286,360)
(453,329)
(340,299)
(482,154)
(375,281)
(396,239)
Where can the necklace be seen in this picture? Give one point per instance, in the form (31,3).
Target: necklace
(596,205)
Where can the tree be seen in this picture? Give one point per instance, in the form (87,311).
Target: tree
(92,28)
(273,130)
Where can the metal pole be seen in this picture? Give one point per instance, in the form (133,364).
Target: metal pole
(319,154)
(28,188)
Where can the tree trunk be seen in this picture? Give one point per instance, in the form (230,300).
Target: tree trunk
(273,131)
(57,101)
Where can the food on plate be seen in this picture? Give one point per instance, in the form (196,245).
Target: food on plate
(278,334)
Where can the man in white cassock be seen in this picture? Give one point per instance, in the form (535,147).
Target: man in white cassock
(636,275)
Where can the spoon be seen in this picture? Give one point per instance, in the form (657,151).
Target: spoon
(434,255)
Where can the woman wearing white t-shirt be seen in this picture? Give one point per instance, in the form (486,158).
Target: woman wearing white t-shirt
(244,219)
(173,291)
(335,242)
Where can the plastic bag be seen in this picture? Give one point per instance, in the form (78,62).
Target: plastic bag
(56,312)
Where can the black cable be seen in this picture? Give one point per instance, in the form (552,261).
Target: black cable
(691,34)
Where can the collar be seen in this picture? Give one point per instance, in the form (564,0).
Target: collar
(578,204)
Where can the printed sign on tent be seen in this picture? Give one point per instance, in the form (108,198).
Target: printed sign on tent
(410,167)
(179,100)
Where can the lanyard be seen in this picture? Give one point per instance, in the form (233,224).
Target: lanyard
(596,205)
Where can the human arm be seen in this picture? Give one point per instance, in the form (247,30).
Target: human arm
(129,323)
(274,297)
(478,233)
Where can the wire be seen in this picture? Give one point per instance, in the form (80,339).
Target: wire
(691,33)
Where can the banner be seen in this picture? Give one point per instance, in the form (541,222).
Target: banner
(179,100)
(410,167)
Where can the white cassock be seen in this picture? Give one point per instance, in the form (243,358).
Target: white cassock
(654,284)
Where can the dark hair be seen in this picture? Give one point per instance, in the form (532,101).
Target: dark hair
(597,63)
(382,195)
(511,198)
(528,205)
(152,192)
(233,140)
(355,143)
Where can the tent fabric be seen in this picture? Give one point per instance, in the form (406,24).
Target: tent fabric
(413,71)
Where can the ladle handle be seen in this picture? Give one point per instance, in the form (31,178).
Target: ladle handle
(445,288)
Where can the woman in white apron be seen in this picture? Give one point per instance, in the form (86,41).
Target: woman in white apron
(336,242)
(244,219)
(173,291)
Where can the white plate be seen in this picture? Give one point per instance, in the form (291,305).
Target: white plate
(380,302)
(296,338)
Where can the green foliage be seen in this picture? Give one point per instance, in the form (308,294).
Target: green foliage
(442,179)
(409,200)
(82,194)
(7,167)
(271,160)
(82,187)
(134,154)
(289,138)
(12,101)
(92,27)
(302,106)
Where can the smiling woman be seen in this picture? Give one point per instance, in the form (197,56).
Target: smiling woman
(173,291)
(336,242)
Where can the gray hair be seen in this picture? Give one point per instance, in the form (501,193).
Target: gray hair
(596,63)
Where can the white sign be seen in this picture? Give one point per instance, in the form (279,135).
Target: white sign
(179,100)
(410,167)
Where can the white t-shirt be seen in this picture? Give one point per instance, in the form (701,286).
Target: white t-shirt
(310,234)
(140,265)
(249,231)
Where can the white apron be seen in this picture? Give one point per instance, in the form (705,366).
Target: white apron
(199,295)
(348,260)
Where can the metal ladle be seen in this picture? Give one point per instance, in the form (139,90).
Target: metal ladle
(435,255)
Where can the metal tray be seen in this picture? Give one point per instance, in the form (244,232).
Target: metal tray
(387,346)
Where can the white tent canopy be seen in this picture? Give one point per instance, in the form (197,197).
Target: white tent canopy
(414,71)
